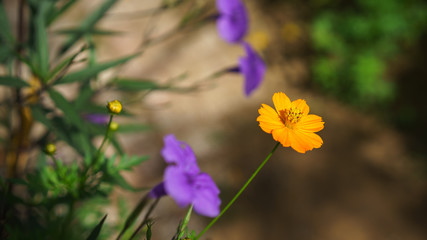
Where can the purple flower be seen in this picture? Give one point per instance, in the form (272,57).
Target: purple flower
(184,182)
(253,69)
(179,153)
(232,22)
(96,118)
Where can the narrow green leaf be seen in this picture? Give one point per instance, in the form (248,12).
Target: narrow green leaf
(6,32)
(95,232)
(71,115)
(133,128)
(148,233)
(5,53)
(88,24)
(13,82)
(117,145)
(77,31)
(91,71)
(66,62)
(127,163)
(60,11)
(85,144)
(185,222)
(42,45)
(40,116)
(135,213)
(116,178)
(136,85)
(110,161)
(82,101)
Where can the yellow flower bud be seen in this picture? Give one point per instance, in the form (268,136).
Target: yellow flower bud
(50,148)
(115,107)
(114,126)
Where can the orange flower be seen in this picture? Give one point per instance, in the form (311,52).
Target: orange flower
(290,124)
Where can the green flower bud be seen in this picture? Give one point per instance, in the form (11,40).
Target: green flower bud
(50,148)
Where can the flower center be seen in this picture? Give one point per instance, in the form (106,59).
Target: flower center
(291,116)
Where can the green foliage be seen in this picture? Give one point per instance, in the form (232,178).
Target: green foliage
(95,232)
(65,198)
(13,82)
(354,45)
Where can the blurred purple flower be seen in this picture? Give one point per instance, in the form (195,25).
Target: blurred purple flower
(96,118)
(184,182)
(232,22)
(253,69)
(179,154)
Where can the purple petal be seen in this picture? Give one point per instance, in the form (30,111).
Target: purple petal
(179,185)
(253,69)
(233,22)
(158,191)
(97,118)
(179,153)
(206,200)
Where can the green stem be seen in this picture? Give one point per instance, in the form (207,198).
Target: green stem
(185,223)
(239,193)
(55,161)
(95,160)
(107,134)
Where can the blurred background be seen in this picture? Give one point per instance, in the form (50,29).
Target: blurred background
(358,63)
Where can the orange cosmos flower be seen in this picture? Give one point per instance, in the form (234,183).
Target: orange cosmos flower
(290,124)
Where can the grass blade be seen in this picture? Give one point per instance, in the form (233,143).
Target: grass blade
(136,84)
(13,82)
(6,32)
(95,232)
(88,24)
(67,108)
(91,71)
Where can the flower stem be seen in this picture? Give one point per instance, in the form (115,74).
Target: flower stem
(239,193)
(107,134)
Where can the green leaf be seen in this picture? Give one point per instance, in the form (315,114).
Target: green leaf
(117,145)
(116,178)
(82,102)
(95,232)
(5,53)
(39,115)
(135,213)
(88,24)
(127,163)
(132,128)
(65,63)
(136,84)
(60,11)
(42,45)
(6,32)
(83,141)
(183,227)
(77,31)
(91,71)
(148,232)
(13,82)
(71,115)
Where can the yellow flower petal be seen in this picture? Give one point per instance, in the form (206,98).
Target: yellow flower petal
(297,143)
(301,105)
(311,123)
(282,135)
(268,119)
(281,102)
(310,139)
